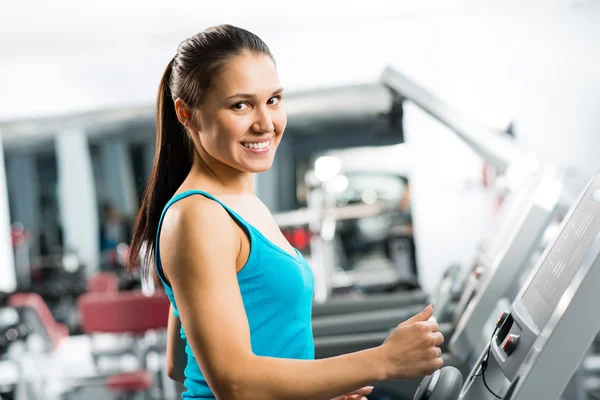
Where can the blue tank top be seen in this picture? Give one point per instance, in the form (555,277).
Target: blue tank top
(277,292)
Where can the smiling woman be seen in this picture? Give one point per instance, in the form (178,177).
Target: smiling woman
(241,295)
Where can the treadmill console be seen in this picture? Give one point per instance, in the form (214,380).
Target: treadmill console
(540,296)
(540,342)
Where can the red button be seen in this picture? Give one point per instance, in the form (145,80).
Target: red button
(510,344)
(501,319)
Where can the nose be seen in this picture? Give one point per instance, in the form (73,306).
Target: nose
(263,122)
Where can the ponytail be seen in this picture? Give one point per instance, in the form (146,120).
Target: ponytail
(172,163)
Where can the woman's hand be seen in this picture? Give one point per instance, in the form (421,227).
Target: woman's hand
(412,349)
(357,395)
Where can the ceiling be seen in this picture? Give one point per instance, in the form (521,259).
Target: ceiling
(68,25)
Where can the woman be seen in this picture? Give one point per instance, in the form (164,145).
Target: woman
(241,293)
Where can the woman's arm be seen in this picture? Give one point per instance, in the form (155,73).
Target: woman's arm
(199,249)
(176,356)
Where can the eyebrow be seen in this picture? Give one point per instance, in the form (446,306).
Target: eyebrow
(250,96)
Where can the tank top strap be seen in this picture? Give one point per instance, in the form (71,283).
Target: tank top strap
(236,217)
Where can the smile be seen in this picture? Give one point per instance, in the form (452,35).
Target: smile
(257,145)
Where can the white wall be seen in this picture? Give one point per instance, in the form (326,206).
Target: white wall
(8,279)
(538,66)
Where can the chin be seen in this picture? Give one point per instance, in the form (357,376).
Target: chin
(257,168)
(256,163)
(254,166)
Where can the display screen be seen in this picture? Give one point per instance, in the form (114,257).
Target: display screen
(564,258)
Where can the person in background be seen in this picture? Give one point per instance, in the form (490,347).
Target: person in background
(112,227)
(240,326)
(403,229)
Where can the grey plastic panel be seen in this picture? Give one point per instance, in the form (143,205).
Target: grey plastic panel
(555,314)
(372,302)
(331,346)
(513,212)
(553,279)
(510,261)
(560,266)
(363,322)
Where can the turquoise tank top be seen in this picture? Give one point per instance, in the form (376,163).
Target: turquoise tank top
(277,291)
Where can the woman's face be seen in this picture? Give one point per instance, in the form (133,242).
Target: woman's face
(242,119)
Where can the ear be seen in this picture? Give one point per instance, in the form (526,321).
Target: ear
(184,113)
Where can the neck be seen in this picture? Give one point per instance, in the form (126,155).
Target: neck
(219,177)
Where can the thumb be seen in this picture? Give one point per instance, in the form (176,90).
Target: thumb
(420,317)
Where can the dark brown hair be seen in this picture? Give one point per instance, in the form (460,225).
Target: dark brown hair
(188,76)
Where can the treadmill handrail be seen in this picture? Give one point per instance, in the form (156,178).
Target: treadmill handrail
(495,147)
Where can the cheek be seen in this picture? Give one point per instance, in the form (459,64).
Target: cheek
(230,131)
(279,121)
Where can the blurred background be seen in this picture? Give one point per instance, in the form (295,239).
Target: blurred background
(402,116)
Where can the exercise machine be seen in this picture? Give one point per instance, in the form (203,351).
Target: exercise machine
(538,345)
(542,200)
(522,172)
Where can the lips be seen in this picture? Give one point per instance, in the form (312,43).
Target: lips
(257,145)
(257,148)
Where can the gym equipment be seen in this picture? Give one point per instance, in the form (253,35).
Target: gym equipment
(371,313)
(518,233)
(371,302)
(12,330)
(539,344)
(520,211)
(131,314)
(493,146)
(497,148)
(39,360)
(442,384)
(363,322)
(31,335)
(527,209)
(325,305)
(540,200)
(526,217)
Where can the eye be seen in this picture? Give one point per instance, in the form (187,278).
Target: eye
(274,100)
(241,106)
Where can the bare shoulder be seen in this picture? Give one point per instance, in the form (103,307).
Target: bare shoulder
(194,211)
(194,228)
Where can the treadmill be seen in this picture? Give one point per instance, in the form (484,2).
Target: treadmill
(339,317)
(498,150)
(539,343)
(521,211)
(524,220)
(542,203)
(531,213)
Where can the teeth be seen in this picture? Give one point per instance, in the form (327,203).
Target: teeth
(261,145)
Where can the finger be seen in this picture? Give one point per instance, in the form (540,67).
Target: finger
(420,317)
(439,338)
(440,362)
(363,391)
(439,352)
(433,325)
